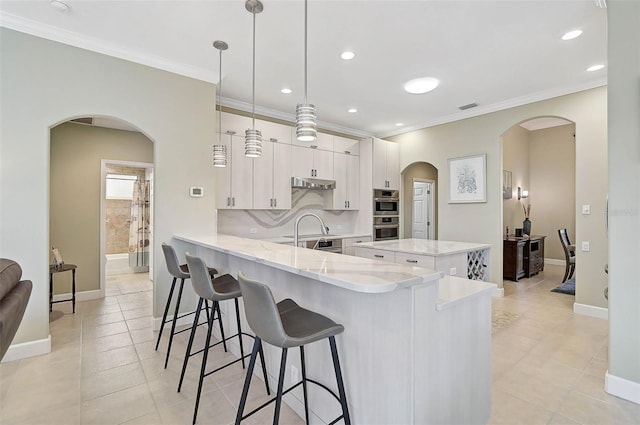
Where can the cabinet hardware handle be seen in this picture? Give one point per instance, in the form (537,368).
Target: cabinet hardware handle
(233,201)
(273,139)
(275,202)
(378,256)
(412,261)
(271,202)
(313,146)
(228,201)
(347,152)
(345,204)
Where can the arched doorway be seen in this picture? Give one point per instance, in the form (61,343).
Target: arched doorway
(539,157)
(419,190)
(77,147)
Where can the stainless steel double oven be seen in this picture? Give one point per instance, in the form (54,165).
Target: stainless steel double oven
(386,214)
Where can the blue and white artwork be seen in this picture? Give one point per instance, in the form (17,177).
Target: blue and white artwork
(467,179)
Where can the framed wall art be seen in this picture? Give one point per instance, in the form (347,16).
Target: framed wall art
(507,190)
(468,179)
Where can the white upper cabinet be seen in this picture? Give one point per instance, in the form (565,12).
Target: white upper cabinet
(270,131)
(323,141)
(234,183)
(346,172)
(314,163)
(345,145)
(272,177)
(235,123)
(386,165)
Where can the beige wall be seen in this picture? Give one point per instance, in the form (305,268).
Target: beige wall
(515,159)
(45,83)
(624,198)
(482,222)
(74,188)
(552,185)
(417,170)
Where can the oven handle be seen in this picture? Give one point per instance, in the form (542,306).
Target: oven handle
(385,226)
(386,199)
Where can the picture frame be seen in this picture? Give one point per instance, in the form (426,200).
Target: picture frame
(468,179)
(57,258)
(507,189)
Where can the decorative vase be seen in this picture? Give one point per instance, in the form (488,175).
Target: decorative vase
(526,226)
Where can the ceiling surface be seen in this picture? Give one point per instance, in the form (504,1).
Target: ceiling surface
(497,54)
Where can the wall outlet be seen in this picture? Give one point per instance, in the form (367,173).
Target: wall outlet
(294,375)
(453,271)
(586,209)
(253,230)
(585,246)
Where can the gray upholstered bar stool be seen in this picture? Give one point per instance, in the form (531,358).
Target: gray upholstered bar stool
(178,271)
(221,288)
(287,325)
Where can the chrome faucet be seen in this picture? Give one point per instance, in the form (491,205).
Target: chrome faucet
(323,227)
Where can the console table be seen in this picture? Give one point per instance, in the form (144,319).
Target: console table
(59,269)
(522,257)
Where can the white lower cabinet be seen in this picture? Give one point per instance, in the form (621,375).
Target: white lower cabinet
(348,244)
(346,173)
(375,254)
(272,177)
(415,260)
(234,183)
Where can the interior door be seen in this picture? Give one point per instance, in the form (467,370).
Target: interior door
(422,211)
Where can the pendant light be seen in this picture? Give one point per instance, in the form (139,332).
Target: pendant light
(305,112)
(220,150)
(253,137)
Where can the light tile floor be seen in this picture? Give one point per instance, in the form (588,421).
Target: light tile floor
(548,366)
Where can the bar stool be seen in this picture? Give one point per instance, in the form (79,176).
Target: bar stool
(221,288)
(287,325)
(178,271)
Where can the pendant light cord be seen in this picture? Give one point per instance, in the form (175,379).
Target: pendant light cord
(219,104)
(305,52)
(253,94)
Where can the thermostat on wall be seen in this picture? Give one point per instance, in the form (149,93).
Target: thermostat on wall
(196,192)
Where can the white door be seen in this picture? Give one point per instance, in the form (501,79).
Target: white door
(422,215)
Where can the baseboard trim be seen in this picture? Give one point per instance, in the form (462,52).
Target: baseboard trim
(622,388)
(590,310)
(498,292)
(94,294)
(27,349)
(554,262)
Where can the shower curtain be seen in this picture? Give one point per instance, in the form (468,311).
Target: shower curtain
(139,228)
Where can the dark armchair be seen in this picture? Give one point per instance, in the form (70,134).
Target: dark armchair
(14,296)
(569,254)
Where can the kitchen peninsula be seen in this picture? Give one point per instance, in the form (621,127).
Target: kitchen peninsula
(409,354)
(463,259)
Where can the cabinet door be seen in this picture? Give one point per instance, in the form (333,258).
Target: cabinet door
(301,161)
(241,176)
(348,244)
(236,123)
(353,182)
(223,178)
(263,178)
(341,176)
(323,164)
(271,130)
(379,164)
(282,176)
(345,145)
(425,261)
(375,254)
(393,166)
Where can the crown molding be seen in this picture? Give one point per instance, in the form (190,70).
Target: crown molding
(500,106)
(97,45)
(289,117)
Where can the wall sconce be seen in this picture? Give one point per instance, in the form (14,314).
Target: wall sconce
(522,193)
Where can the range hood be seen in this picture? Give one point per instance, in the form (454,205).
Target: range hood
(316,184)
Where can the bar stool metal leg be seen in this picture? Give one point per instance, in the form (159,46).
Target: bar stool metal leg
(194,327)
(173,322)
(257,345)
(341,392)
(203,368)
(304,385)
(166,311)
(239,332)
(283,365)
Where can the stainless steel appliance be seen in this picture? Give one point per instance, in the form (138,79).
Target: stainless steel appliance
(331,245)
(385,228)
(386,202)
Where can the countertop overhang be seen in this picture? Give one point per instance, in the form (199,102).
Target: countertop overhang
(425,246)
(348,272)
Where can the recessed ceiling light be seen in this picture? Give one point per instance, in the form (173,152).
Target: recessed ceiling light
(352,110)
(286,91)
(399,124)
(59,6)
(595,67)
(421,85)
(572,34)
(347,55)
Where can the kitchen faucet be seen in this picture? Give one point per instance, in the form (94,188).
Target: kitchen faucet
(323,227)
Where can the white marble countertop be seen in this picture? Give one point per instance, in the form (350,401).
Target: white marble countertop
(352,273)
(429,247)
(304,238)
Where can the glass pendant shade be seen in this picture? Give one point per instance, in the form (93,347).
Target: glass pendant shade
(219,156)
(306,122)
(252,143)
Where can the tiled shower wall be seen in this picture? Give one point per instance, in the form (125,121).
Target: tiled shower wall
(118,214)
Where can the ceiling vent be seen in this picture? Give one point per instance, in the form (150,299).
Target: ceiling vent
(469,106)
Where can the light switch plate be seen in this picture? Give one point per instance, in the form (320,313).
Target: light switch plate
(586,209)
(585,246)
